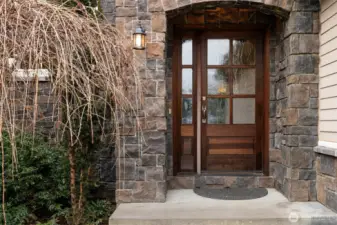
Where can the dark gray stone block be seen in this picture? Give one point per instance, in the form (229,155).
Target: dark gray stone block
(328,165)
(307,175)
(307,5)
(308,117)
(131,151)
(149,160)
(331,200)
(299,22)
(302,157)
(308,141)
(303,64)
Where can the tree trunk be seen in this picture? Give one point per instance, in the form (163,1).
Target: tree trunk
(3,183)
(73,194)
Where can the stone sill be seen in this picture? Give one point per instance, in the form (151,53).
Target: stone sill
(28,74)
(326,151)
(31,75)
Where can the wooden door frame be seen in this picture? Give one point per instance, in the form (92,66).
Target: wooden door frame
(179,32)
(176,99)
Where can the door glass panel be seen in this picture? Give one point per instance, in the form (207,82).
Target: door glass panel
(187,52)
(218,111)
(243,52)
(187,111)
(187,81)
(218,52)
(244,81)
(217,82)
(244,110)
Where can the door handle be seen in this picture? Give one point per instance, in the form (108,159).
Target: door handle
(204,110)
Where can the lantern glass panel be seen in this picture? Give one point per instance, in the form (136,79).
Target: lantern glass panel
(139,41)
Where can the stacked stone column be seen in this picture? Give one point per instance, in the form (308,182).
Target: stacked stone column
(141,171)
(297,102)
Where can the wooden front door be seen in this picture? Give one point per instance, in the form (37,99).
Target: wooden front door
(219,101)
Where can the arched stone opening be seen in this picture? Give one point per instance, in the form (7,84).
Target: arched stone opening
(274,5)
(280,9)
(220,16)
(285,134)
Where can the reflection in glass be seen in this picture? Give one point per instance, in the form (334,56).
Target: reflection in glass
(217,82)
(187,81)
(218,52)
(243,52)
(187,114)
(244,81)
(244,110)
(187,52)
(218,111)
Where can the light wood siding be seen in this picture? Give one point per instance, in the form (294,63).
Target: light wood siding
(328,72)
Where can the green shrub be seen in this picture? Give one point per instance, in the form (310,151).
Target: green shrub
(97,212)
(38,188)
(38,191)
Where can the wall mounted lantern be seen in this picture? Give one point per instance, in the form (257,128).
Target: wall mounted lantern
(139,38)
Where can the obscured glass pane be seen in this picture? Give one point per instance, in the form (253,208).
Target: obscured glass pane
(187,146)
(218,111)
(187,110)
(217,82)
(187,52)
(243,52)
(187,81)
(244,81)
(244,110)
(218,52)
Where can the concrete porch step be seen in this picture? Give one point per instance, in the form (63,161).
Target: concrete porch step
(321,221)
(184,207)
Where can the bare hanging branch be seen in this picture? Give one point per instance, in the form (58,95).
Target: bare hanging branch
(90,66)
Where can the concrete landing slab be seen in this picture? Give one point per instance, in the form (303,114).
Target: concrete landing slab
(184,207)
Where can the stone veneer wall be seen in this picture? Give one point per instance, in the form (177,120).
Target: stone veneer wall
(108,9)
(296,101)
(143,167)
(141,170)
(327,176)
(104,171)
(25,95)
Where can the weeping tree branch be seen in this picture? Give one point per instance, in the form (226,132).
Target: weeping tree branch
(91,67)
